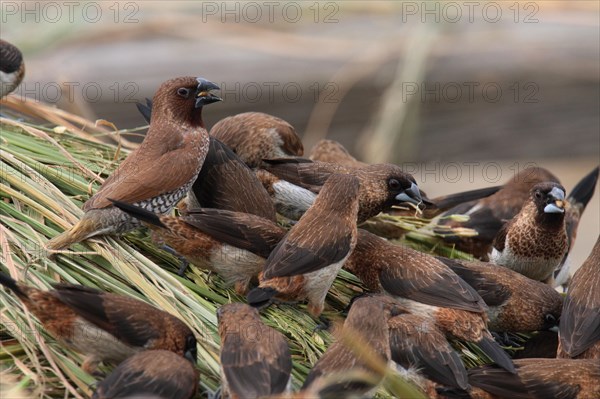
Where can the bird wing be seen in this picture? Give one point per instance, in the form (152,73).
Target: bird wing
(303,172)
(428,281)
(226,182)
(416,341)
(241,230)
(493,293)
(171,170)
(259,367)
(125,318)
(579,325)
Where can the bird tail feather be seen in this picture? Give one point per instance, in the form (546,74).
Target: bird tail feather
(495,352)
(83,229)
(261,296)
(11,284)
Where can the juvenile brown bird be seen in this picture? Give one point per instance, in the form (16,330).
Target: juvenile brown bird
(307,260)
(539,379)
(487,216)
(416,342)
(12,68)
(103,326)
(255,136)
(255,358)
(534,242)
(151,374)
(577,201)
(427,287)
(381,185)
(232,244)
(579,330)
(515,303)
(333,152)
(367,320)
(226,182)
(160,171)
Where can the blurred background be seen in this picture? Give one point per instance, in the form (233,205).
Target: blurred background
(462,94)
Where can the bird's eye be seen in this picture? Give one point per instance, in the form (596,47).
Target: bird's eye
(550,319)
(538,194)
(183,92)
(394,184)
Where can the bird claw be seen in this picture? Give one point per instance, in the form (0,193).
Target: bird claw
(184,262)
(505,340)
(324,324)
(214,394)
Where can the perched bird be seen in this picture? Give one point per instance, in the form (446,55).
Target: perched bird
(579,330)
(225,181)
(255,358)
(427,287)
(540,379)
(576,203)
(488,215)
(515,303)
(160,171)
(306,261)
(151,374)
(333,152)
(417,343)
(534,242)
(12,68)
(103,326)
(368,321)
(255,136)
(232,244)
(381,185)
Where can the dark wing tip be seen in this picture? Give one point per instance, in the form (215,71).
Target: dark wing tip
(497,354)
(261,296)
(584,189)
(138,213)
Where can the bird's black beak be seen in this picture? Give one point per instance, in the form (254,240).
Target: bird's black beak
(411,195)
(558,204)
(204,95)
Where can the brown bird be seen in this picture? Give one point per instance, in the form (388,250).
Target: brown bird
(255,136)
(381,185)
(534,242)
(579,330)
(160,171)
(307,260)
(151,374)
(487,216)
(417,343)
(232,244)
(333,152)
(539,379)
(515,303)
(577,201)
(255,359)
(12,68)
(103,326)
(427,287)
(226,182)
(368,321)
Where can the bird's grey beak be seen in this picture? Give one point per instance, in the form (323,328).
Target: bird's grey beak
(558,206)
(204,95)
(190,356)
(411,195)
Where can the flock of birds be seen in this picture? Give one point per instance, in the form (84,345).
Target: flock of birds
(229,186)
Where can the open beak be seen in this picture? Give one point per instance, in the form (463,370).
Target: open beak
(204,95)
(411,195)
(558,206)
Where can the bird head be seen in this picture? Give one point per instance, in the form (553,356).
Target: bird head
(388,180)
(181,99)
